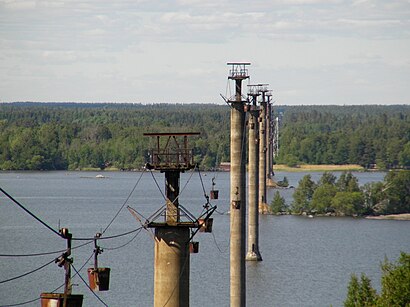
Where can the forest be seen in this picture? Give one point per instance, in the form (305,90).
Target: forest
(69,136)
(365,135)
(344,197)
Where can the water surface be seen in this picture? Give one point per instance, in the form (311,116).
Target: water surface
(306,262)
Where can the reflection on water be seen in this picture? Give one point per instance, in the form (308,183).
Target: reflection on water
(307,262)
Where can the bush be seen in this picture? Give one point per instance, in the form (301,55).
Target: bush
(278,203)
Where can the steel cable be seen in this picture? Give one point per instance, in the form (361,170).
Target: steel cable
(43,254)
(125,202)
(110,237)
(37,298)
(27,273)
(93,292)
(29,212)
(123,245)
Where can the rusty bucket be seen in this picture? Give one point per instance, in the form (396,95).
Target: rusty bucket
(99,279)
(57,300)
(214,194)
(194,247)
(206,225)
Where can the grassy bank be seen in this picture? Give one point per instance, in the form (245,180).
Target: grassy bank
(318,168)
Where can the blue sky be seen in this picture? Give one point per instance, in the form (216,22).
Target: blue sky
(309,51)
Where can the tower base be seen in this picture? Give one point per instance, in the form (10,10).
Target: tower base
(253,256)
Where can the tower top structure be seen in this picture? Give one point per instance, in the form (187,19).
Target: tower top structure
(238,70)
(171,151)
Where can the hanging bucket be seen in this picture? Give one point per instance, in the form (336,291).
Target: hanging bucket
(99,279)
(57,300)
(206,225)
(214,194)
(194,247)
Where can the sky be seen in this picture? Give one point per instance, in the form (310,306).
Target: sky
(148,51)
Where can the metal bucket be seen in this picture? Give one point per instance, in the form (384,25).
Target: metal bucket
(57,300)
(206,225)
(193,247)
(214,194)
(99,279)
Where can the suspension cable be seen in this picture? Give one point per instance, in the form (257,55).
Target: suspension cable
(125,202)
(125,244)
(202,183)
(93,292)
(37,298)
(110,237)
(155,180)
(43,254)
(27,273)
(30,213)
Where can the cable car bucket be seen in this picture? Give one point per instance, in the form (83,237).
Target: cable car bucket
(98,278)
(214,193)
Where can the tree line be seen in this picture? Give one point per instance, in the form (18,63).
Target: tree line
(364,135)
(344,197)
(60,136)
(37,136)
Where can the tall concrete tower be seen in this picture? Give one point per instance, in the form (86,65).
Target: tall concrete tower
(253,253)
(238,73)
(269,141)
(262,148)
(268,137)
(172,233)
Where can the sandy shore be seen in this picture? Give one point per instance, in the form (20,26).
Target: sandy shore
(401,217)
(318,168)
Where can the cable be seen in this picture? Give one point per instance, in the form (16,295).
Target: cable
(106,238)
(32,255)
(125,244)
(20,304)
(42,254)
(32,214)
(37,298)
(185,185)
(155,180)
(202,183)
(221,213)
(216,243)
(27,273)
(125,202)
(95,294)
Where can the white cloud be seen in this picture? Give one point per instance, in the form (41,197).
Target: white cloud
(131,46)
(18,4)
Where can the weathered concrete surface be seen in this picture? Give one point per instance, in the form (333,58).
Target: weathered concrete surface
(253,253)
(171,276)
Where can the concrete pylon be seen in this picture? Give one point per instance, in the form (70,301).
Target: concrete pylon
(262,152)
(269,143)
(268,140)
(172,235)
(253,253)
(171,256)
(238,73)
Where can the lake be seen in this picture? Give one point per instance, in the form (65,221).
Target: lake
(306,262)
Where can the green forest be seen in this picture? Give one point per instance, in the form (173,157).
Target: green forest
(364,135)
(60,136)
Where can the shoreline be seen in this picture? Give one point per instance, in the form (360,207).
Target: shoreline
(397,217)
(318,168)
